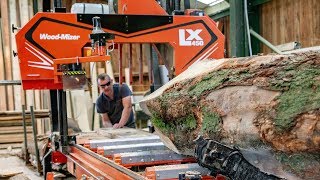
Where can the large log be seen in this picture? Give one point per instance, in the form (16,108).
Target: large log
(268,104)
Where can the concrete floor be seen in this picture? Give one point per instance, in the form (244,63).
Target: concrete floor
(10,163)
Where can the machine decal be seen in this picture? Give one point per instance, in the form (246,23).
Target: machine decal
(44,36)
(193,40)
(208,53)
(29,33)
(45,63)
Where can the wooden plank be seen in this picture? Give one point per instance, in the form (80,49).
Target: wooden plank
(37,99)
(46,99)
(5,24)
(266,19)
(12,138)
(14,130)
(12,145)
(29,98)
(14,123)
(95,93)
(306,23)
(19,118)
(6,113)
(275,23)
(3,102)
(15,62)
(30,9)
(81,104)
(316,22)
(290,18)
(284,20)
(296,21)
(40,9)
(24,18)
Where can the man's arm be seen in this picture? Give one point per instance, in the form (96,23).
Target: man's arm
(105,120)
(127,105)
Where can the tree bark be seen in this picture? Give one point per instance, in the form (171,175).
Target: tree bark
(262,103)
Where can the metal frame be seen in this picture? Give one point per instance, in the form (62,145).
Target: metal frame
(83,162)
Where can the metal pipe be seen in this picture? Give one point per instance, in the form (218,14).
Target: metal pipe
(25,134)
(10,82)
(35,7)
(34,130)
(265,42)
(64,122)
(150,65)
(247,25)
(93,113)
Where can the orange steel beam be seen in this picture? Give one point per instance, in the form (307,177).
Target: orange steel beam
(117,159)
(83,162)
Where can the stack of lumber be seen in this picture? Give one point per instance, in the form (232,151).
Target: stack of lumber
(11,127)
(267,105)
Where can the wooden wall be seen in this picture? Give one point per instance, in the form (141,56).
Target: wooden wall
(18,13)
(284,21)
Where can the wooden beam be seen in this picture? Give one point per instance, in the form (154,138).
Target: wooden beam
(210,10)
(24,18)
(14,130)
(5,28)
(20,117)
(7,113)
(3,102)
(257,2)
(94,121)
(12,138)
(221,14)
(15,62)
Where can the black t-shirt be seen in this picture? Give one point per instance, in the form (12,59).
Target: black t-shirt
(114,107)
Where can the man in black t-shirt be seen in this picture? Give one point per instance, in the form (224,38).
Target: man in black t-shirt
(114,103)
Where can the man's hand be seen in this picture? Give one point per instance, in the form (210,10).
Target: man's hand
(105,120)
(117,125)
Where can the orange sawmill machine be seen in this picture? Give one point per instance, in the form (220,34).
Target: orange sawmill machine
(52,48)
